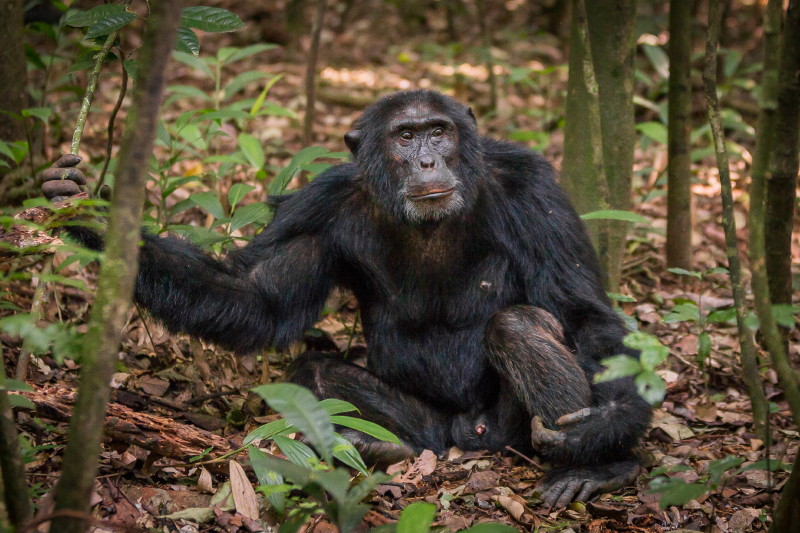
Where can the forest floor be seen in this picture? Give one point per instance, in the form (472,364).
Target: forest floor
(191,388)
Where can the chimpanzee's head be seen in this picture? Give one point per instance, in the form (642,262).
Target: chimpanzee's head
(419,154)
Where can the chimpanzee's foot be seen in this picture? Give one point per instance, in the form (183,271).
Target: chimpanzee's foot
(563,485)
(376,452)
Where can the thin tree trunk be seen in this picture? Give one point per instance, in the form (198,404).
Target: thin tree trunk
(311,73)
(787,513)
(15,490)
(761,157)
(747,345)
(608,51)
(12,71)
(486,37)
(679,171)
(115,286)
(782,183)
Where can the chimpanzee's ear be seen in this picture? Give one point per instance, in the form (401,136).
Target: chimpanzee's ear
(472,115)
(352,139)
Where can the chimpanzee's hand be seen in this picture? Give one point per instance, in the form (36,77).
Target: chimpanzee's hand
(563,485)
(63,179)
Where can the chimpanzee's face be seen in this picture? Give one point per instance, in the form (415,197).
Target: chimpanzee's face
(422,152)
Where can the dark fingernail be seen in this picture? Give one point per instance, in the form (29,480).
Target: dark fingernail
(67,160)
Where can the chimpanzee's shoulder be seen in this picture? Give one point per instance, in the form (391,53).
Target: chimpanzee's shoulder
(518,169)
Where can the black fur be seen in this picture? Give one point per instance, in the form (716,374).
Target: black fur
(427,290)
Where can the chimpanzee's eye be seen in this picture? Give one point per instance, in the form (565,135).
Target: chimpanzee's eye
(406,135)
(438,132)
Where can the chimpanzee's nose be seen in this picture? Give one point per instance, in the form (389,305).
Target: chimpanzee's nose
(427,162)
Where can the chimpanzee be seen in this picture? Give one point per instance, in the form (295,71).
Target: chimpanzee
(480,295)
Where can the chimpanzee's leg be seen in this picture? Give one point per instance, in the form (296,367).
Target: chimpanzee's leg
(526,347)
(416,423)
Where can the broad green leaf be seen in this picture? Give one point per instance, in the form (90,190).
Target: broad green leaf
(650,386)
(618,366)
(675,491)
(208,200)
(344,451)
(684,272)
(264,463)
(658,58)
(231,55)
(653,130)
(42,113)
(772,465)
(81,19)
(335,482)
(187,41)
(785,314)
(617,297)
(716,469)
(303,411)
(21,402)
(703,346)
(240,81)
(365,426)
(14,385)
(416,518)
(109,24)
(252,150)
(722,315)
(335,406)
(193,62)
(210,19)
(269,430)
(249,214)
(295,451)
(237,192)
(301,158)
(686,312)
(202,237)
(615,214)
(188,91)
(225,114)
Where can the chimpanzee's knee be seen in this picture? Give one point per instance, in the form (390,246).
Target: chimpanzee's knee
(526,346)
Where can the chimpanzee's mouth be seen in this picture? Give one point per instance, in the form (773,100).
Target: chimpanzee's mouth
(432,195)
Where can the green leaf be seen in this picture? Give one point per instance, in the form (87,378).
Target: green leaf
(675,491)
(208,200)
(615,214)
(303,411)
(249,214)
(684,272)
(15,400)
(193,62)
(650,387)
(703,346)
(658,58)
(653,130)
(772,465)
(617,297)
(240,81)
(716,469)
(365,426)
(722,315)
(295,451)
(269,430)
(237,192)
(210,19)
(81,19)
(224,114)
(188,91)
(231,55)
(42,113)
(14,385)
(260,100)
(335,406)
(187,41)
(618,366)
(264,463)
(251,147)
(109,24)
(686,312)
(266,476)
(416,518)
(344,451)
(301,158)
(785,314)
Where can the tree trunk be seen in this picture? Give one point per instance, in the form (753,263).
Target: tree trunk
(679,172)
(12,71)
(787,514)
(782,183)
(610,48)
(120,263)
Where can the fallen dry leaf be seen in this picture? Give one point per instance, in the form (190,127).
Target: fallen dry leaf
(244,497)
